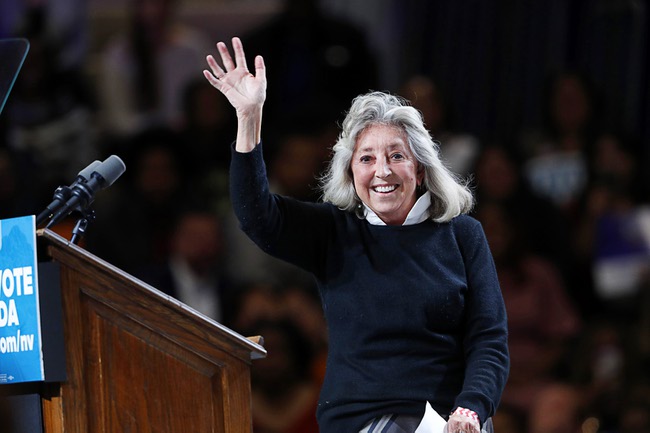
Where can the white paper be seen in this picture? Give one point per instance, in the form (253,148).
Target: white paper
(432,422)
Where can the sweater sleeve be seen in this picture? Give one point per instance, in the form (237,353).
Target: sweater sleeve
(288,229)
(486,332)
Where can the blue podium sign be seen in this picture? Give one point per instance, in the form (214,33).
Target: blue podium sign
(21,354)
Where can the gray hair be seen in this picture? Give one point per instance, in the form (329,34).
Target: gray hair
(450,196)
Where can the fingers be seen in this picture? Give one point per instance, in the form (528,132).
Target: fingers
(456,426)
(216,69)
(240,57)
(219,73)
(225,57)
(260,68)
(211,79)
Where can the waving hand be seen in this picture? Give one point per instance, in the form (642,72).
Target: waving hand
(245,92)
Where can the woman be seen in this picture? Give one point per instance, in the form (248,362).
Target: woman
(408,284)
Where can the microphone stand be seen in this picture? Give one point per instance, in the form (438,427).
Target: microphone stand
(87,216)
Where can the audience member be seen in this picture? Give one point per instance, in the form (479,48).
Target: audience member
(557,155)
(499,181)
(255,302)
(610,243)
(193,271)
(285,385)
(295,166)
(297,303)
(459,149)
(145,70)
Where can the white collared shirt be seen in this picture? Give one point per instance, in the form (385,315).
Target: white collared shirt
(418,213)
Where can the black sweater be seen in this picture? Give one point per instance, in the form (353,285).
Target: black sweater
(414,313)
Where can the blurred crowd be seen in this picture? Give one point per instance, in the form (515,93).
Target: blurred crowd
(563,205)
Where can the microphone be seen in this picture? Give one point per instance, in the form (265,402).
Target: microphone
(63,193)
(83,193)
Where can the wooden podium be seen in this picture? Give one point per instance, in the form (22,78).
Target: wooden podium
(138,360)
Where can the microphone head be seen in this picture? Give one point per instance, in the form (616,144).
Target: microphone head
(111,169)
(85,174)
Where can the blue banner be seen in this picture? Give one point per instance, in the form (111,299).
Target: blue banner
(21,355)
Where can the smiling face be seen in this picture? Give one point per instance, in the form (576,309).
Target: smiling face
(385,172)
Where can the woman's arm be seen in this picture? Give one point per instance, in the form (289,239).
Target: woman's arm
(486,332)
(288,229)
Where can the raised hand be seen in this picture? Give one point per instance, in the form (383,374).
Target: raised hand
(245,92)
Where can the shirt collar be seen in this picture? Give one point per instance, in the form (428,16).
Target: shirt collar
(418,213)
